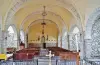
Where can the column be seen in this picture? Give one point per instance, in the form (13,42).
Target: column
(77,46)
(0,34)
(70,41)
(88,48)
(0,41)
(4,41)
(82,45)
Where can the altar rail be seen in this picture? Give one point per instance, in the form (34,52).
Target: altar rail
(39,62)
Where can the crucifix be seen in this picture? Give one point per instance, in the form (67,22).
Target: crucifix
(50,55)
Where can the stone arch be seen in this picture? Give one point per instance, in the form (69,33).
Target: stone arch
(36,21)
(60,32)
(63,3)
(39,12)
(95,38)
(92,21)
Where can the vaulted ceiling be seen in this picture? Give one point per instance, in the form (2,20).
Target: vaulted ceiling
(28,11)
(20,12)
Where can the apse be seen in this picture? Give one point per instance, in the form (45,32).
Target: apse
(35,32)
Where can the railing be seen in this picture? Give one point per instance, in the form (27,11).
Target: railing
(40,62)
(21,62)
(93,62)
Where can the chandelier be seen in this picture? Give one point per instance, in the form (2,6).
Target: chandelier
(43,38)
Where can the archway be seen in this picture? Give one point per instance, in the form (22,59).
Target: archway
(51,32)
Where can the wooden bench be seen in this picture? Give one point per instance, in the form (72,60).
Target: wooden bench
(70,56)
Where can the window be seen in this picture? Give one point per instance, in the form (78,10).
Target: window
(75,31)
(75,40)
(22,36)
(11,37)
(64,38)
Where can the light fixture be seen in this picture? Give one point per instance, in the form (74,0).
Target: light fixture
(43,38)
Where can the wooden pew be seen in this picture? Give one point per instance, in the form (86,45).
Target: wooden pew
(23,56)
(57,50)
(65,54)
(70,56)
(26,54)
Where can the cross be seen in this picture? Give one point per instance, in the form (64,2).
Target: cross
(50,55)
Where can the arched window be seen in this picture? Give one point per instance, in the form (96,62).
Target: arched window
(64,39)
(75,39)
(22,38)
(10,30)
(11,37)
(76,30)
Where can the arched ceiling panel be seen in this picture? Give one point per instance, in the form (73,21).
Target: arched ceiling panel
(23,13)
